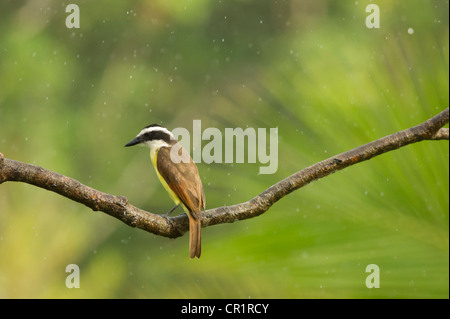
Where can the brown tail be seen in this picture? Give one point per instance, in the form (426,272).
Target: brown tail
(195,235)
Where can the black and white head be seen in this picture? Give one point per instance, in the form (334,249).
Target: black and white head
(153,136)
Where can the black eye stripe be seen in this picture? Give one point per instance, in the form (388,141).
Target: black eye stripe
(156,135)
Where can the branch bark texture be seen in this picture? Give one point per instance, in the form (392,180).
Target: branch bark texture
(118,206)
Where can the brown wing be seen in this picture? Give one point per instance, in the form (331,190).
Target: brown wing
(183,179)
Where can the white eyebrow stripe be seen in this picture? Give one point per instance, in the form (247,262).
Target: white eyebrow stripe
(156,128)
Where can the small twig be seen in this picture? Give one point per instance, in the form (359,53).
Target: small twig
(441,134)
(119,207)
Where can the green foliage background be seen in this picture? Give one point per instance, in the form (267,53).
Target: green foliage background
(71,98)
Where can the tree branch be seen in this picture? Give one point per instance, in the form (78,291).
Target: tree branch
(118,206)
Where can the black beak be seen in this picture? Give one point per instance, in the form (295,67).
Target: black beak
(134,141)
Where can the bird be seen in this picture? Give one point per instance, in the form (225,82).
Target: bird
(179,176)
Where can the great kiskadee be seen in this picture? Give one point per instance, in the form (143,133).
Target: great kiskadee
(180,178)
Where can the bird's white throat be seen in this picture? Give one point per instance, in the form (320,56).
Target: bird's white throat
(155,145)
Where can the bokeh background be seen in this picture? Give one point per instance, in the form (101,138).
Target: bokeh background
(71,98)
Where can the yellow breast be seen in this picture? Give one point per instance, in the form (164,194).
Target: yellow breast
(153,157)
